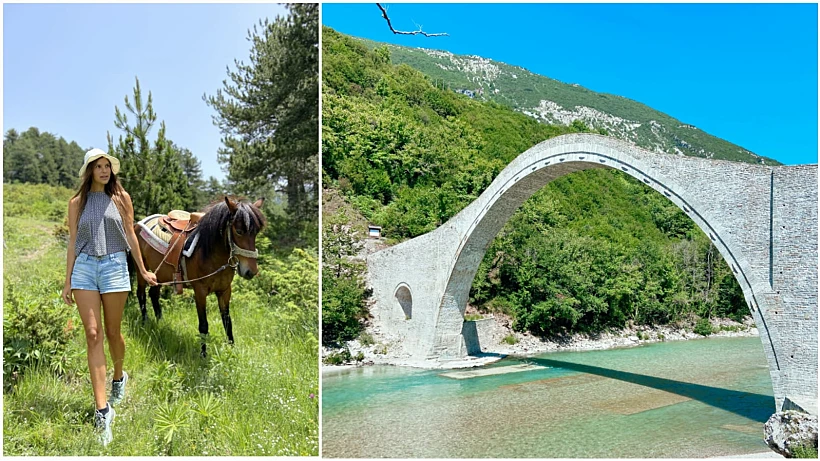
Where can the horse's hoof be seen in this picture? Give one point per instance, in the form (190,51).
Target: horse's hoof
(202,353)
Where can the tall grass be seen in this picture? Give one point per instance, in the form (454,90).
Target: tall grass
(259,397)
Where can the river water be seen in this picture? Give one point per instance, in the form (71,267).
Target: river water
(698,398)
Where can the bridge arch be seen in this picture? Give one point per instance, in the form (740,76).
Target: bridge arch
(530,173)
(748,211)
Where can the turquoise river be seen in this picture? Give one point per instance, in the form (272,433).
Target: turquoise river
(685,399)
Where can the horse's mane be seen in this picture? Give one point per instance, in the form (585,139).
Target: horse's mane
(211,227)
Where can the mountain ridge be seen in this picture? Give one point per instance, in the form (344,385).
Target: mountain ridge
(554,102)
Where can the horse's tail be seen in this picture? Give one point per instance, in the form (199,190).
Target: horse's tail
(132,266)
(132,270)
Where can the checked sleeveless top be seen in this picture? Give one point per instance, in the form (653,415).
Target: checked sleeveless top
(100,230)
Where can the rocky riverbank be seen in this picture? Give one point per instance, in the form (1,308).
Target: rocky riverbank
(499,340)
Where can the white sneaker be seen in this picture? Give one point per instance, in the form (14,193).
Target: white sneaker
(118,389)
(102,423)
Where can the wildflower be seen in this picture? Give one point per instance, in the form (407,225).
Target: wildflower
(311,395)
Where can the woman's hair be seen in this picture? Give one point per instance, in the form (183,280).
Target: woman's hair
(113,189)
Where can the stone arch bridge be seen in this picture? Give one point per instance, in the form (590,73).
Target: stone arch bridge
(762,219)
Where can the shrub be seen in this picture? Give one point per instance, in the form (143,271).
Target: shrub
(661,336)
(804,451)
(338,358)
(510,339)
(288,286)
(501,305)
(37,327)
(366,339)
(166,381)
(703,327)
(343,308)
(39,201)
(473,317)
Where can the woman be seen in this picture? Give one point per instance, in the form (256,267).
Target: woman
(101,231)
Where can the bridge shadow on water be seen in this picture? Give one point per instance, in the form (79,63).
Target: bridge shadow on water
(757,407)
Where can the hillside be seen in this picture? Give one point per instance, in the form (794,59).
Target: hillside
(591,251)
(555,102)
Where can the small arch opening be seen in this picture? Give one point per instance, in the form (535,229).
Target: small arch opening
(405,300)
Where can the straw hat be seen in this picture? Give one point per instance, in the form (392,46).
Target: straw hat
(94,154)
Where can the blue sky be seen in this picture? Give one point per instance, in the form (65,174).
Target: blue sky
(744,73)
(66,66)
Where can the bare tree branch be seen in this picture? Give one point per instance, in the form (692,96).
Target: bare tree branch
(400,32)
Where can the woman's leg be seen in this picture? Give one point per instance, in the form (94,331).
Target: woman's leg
(88,303)
(113,307)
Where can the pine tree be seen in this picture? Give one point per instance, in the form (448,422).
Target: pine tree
(9,141)
(213,189)
(71,155)
(36,156)
(192,168)
(23,162)
(152,174)
(268,112)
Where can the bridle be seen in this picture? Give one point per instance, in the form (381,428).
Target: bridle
(236,250)
(233,261)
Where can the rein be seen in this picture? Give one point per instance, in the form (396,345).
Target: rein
(233,261)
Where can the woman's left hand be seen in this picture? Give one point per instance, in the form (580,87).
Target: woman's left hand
(150,277)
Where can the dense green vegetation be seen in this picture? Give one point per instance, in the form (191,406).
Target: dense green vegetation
(597,249)
(805,451)
(408,154)
(592,250)
(523,90)
(258,397)
(39,157)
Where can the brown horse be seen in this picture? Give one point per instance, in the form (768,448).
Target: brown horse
(226,244)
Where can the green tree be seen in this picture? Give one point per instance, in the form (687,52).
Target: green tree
(36,156)
(19,158)
(267,111)
(343,290)
(213,189)
(192,168)
(152,174)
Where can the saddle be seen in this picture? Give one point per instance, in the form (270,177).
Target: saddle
(173,229)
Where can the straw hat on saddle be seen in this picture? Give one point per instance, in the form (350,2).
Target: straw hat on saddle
(94,154)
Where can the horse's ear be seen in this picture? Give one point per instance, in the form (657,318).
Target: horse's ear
(231,205)
(258,204)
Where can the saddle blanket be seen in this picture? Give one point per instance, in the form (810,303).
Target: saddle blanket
(159,237)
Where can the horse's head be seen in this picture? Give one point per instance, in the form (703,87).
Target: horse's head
(246,221)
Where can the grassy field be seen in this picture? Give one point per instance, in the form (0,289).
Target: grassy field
(259,397)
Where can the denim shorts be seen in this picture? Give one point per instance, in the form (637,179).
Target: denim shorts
(106,274)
